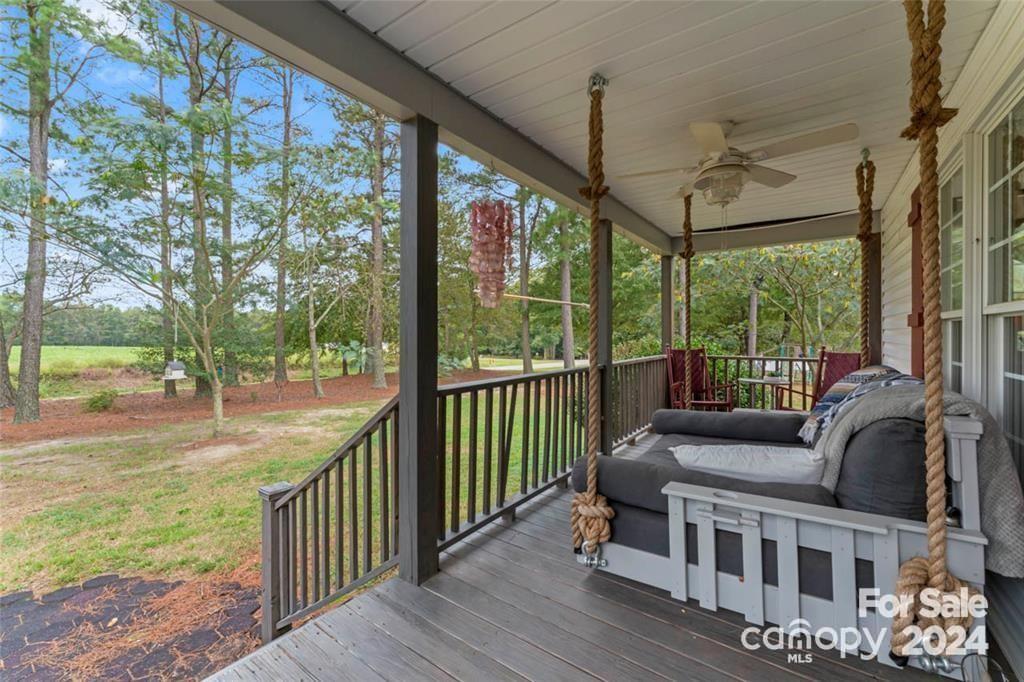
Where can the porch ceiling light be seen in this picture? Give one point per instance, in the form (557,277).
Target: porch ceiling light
(722,185)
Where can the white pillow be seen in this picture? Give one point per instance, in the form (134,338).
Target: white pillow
(752,462)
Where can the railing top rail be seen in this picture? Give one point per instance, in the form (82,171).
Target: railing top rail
(455,389)
(637,361)
(341,451)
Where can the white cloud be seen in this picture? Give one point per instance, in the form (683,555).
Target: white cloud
(57,165)
(115,22)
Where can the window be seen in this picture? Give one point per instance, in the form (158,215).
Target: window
(951,239)
(951,244)
(1009,342)
(1006,209)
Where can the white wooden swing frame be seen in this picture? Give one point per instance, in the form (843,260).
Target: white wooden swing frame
(844,534)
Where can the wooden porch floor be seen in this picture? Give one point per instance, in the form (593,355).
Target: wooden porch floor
(512,603)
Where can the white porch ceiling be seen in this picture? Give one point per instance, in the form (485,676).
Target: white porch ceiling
(775,68)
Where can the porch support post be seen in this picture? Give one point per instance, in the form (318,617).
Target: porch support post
(667,300)
(875,289)
(604,332)
(417,404)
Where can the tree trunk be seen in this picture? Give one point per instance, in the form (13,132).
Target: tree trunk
(568,337)
(376,330)
(167,297)
(6,388)
(524,280)
(201,269)
(26,400)
(217,391)
(474,345)
(314,350)
(280,369)
(752,322)
(227,265)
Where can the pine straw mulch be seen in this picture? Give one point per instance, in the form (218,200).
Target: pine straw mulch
(184,630)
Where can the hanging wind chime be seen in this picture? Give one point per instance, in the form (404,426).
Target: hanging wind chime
(491,224)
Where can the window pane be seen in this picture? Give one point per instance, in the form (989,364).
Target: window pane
(1017,130)
(1013,385)
(1017,202)
(999,218)
(952,343)
(998,271)
(956,240)
(957,287)
(997,161)
(1017,267)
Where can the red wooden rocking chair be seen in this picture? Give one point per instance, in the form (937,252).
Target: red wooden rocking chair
(832,366)
(705,396)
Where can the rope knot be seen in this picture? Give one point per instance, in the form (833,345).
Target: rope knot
(590,519)
(923,117)
(589,194)
(910,588)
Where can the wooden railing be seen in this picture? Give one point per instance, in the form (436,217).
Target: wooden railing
(334,531)
(502,441)
(639,387)
(799,372)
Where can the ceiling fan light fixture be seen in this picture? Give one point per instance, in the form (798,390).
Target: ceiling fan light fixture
(722,185)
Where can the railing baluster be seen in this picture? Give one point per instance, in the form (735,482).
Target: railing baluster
(524,450)
(473,454)
(456,511)
(553,417)
(442,462)
(488,438)
(339,523)
(325,540)
(292,548)
(315,537)
(499,493)
(385,511)
(547,428)
(506,447)
(536,433)
(303,551)
(367,504)
(394,483)
(563,389)
(353,513)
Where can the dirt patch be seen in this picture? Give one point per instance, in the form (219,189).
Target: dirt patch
(62,418)
(214,449)
(130,629)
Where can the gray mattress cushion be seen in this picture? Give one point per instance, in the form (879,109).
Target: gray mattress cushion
(883,470)
(744,425)
(639,482)
(648,531)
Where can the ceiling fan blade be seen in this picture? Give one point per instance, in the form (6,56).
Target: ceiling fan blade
(710,137)
(682,191)
(769,176)
(803,143)
(662,171)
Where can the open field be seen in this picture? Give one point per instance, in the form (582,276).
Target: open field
(79,357)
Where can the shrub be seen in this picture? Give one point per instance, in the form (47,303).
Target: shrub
(101,401)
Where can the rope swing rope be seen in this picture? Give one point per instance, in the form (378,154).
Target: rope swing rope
(927,115)
(865,188)
(687,256)
(590,512)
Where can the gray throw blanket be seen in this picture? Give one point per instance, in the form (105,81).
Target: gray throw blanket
(1002,504)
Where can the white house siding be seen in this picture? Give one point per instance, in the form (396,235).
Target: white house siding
(995,60)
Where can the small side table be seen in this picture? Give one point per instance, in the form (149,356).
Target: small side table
(777,384)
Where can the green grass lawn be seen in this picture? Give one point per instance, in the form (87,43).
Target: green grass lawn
(159,503)
(69,358)
(151,502)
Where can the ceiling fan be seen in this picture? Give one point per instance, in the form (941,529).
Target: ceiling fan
(723,170)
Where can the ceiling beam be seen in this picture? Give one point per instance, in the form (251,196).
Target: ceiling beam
(796,231)
(317,39)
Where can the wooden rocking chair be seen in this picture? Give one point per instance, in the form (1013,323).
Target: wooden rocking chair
(705,396)
(832,366)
